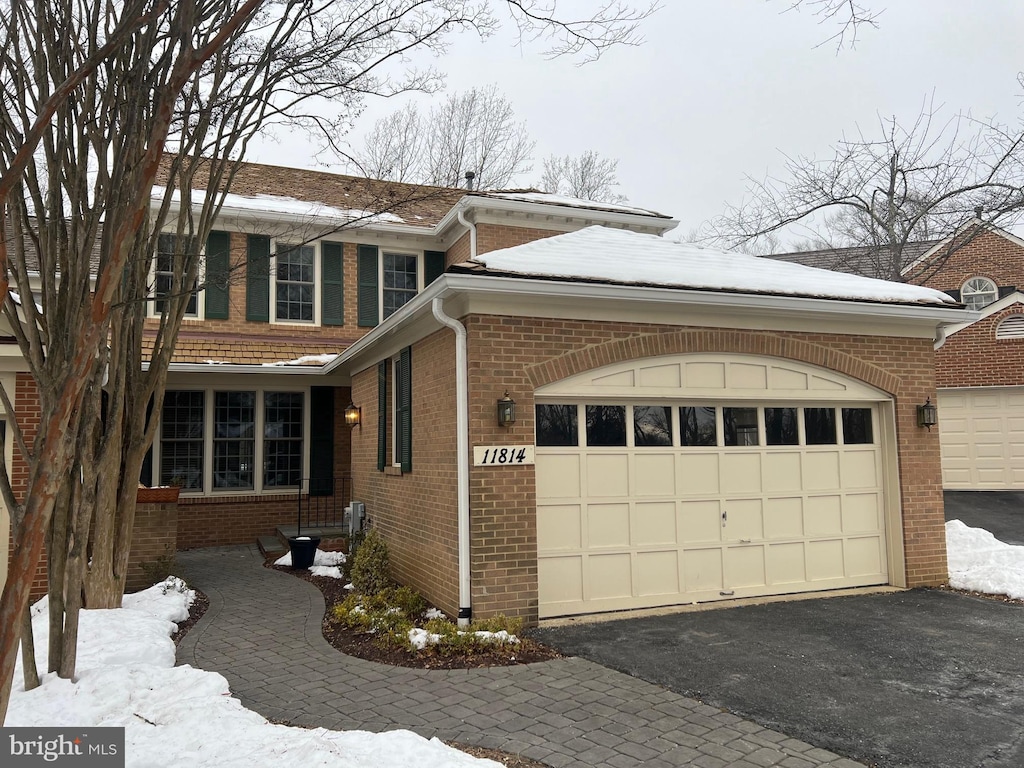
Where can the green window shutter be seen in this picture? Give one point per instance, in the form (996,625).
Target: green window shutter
(433,266)
(369,313)
(404,415)
(382,414)
(257,280)
(321,441)
(218,269)
(332,273)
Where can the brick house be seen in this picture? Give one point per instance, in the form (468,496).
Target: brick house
(687,425)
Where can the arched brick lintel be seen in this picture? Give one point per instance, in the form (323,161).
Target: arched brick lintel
(725,341)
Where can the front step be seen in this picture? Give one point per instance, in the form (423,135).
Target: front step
(271,546)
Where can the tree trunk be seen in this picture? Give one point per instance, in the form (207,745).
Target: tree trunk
(28,650)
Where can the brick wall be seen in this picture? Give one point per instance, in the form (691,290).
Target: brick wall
(417,512)
(154,538)
(987,255)
(27,408)
(974,358)
(217,521)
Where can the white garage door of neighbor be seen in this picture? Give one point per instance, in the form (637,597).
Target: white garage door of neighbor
(651,501)
(982,435)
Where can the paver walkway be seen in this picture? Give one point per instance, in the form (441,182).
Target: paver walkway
(262,632)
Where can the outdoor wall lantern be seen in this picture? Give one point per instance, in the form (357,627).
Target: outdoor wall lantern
(353,415)
(927,415)
(506,411)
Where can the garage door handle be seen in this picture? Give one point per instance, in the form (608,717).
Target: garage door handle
(725,516)
(744,541)
(727,593)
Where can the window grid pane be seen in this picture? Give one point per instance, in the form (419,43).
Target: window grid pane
(857,426)
(234,439)
(820,426)
(167,251)
(282,439)
(399,281)
(295,284)
(181,440)
(780,426)
(698,425)
(740,426)
(606,425)
(652,425)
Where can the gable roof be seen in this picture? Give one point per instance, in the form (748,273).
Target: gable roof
(994,308)
(967,232)
(600,254)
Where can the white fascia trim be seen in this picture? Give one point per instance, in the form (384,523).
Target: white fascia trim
(449,284)
(996,306)
(274,370)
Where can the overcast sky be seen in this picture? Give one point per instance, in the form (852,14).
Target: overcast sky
(721,87)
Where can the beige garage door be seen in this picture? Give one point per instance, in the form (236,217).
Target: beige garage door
(648,501)
(982,437)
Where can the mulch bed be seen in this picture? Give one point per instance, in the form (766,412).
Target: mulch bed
(363,645)
(983,595)
(195,613)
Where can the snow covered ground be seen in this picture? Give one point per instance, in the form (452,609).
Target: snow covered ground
(186,716)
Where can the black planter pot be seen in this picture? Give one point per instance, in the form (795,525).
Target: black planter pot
(303,550)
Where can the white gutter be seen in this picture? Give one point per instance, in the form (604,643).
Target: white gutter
(243,368)
(471,226)
(462,447)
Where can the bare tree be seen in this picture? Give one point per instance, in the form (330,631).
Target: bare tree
(587,176)
(848,16)
(102,89)
(912,182)
(475,130)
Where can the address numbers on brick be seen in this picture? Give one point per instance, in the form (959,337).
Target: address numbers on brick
(502,455)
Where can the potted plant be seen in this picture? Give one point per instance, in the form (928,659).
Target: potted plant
(303,548)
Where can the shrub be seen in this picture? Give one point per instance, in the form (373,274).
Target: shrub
(371,568)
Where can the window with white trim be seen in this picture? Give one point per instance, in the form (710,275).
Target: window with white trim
(978,292)
(214,440)
(167,253)
(295,284)
(400,282)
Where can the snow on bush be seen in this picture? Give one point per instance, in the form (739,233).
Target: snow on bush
(421,638)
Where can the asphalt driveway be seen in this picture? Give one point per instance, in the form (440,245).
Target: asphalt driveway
(919,678)
(999,512)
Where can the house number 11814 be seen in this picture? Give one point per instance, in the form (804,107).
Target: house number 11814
(502,455)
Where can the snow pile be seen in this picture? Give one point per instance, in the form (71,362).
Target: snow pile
(620,256)
(979,562)
(304,360)
(421,638)
(185,716)
(321,558)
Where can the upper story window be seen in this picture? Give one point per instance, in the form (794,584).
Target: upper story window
(401,281)
(167,255)
(295,283)
(978,292)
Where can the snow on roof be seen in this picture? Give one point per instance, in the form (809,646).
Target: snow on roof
(620,256)
(533,196)
(304,360)
(287,205)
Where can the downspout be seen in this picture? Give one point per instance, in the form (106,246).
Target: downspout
(940,337)
(471,226)
(462,448)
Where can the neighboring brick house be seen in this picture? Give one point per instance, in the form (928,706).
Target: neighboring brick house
(679,437)
(979,362)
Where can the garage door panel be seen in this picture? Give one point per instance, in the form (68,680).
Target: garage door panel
(825,560)
(823,516)
(558,477)
(744,520)
(821,470)
(658,573)
(607,474)
(860,513)
(702,570)
(986,450)
(782,472)
(864,556)
(745,567)
(786,563)
(741,473)
(560,579)
(704,375)
(655,474)
(859,469)
(655,523)
(608,576)
(784,518)
(983,443)
(608,525)
(698,474)
(701,521)
(559,526)
(669,376)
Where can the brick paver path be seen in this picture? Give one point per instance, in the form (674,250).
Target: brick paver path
(262,632)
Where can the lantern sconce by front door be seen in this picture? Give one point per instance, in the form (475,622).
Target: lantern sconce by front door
(927,415)
(506,411)
(353,415)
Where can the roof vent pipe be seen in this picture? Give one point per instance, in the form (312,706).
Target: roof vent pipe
(470,175)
